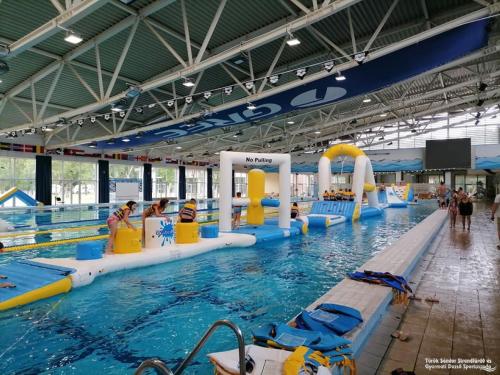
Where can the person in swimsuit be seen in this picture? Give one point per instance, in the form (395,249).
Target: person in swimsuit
(294,212)
(187,214)
(237,213)
(121,214)
(326,196)
(156,209)
(465,208)
(453,210)
(441,193)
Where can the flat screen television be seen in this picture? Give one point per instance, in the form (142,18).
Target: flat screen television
(448,154)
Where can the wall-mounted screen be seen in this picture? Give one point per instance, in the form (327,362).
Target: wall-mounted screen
(448,154)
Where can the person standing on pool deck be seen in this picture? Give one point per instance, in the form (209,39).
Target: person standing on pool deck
(441,193)
(121,214)
(465,208)
(495,212)
(237,213)
(187,214)
(156,209)
(453,210)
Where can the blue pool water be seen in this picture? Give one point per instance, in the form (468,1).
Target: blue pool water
(121,319)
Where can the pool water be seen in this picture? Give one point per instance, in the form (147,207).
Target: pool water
(121,319)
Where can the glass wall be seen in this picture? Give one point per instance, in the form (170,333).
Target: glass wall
(165,182)
(215,183)
(196,183)
(302,185)
(241,183)
(474,185)
(125,182)
(74,182)
(19,172)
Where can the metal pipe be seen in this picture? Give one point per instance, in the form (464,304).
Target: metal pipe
(158,365)
(206,336)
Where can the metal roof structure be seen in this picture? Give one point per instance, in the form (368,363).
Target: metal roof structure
(154,45)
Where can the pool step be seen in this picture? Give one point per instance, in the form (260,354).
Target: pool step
(34,281)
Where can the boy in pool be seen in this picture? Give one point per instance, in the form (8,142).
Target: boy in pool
(121,214)
(156,209)
(294,211)
(187,214)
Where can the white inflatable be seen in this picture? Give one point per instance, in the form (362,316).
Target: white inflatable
(363,179)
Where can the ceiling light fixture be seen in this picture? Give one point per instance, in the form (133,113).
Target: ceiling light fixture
(290,122)
(383,115)
(292,41)
(188,82)
(125,140)
(367,100)
(178,147)
(274,79)
(317,132)
(251,106)
(72,37)
(340,76)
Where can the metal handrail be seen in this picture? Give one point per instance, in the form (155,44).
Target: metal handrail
(158,365)
(206,336)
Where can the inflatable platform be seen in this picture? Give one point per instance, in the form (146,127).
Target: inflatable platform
(18,194)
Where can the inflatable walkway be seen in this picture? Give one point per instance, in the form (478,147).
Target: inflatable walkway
(33,281)
(393,200)
(18,194)
(327,213)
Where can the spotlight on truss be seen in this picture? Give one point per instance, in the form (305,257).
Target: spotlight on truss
(301,72)
(328,66)
(228,90)
(274,79)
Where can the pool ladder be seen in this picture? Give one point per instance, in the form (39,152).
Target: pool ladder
(162,368)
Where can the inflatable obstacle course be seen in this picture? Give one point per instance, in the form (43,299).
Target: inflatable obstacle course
(18,194)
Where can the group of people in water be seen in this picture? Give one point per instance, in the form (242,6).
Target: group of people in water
(339,195)
(456,202)
(187,214)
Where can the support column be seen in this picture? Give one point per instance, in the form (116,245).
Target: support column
(147,182)
(447,178)
(210,193)
(43,176)
(103,191)
(182,182)
(398,177)
(233,184)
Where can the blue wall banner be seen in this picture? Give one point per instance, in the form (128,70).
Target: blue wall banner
(370,76)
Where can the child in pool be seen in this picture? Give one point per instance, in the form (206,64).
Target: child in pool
(156,209)
(121,214)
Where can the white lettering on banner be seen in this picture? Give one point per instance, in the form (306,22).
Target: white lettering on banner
(309,98)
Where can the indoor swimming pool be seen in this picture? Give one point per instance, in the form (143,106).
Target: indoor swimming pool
(161,311)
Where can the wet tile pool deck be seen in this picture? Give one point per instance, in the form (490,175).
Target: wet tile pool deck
(461,270)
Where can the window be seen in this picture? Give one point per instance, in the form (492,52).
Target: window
(74,182)
(165,182)
(241,183)
(302,185)
(18,172)
(435,179)
(215,183)
(475,185)
(125,182)
(196,183)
